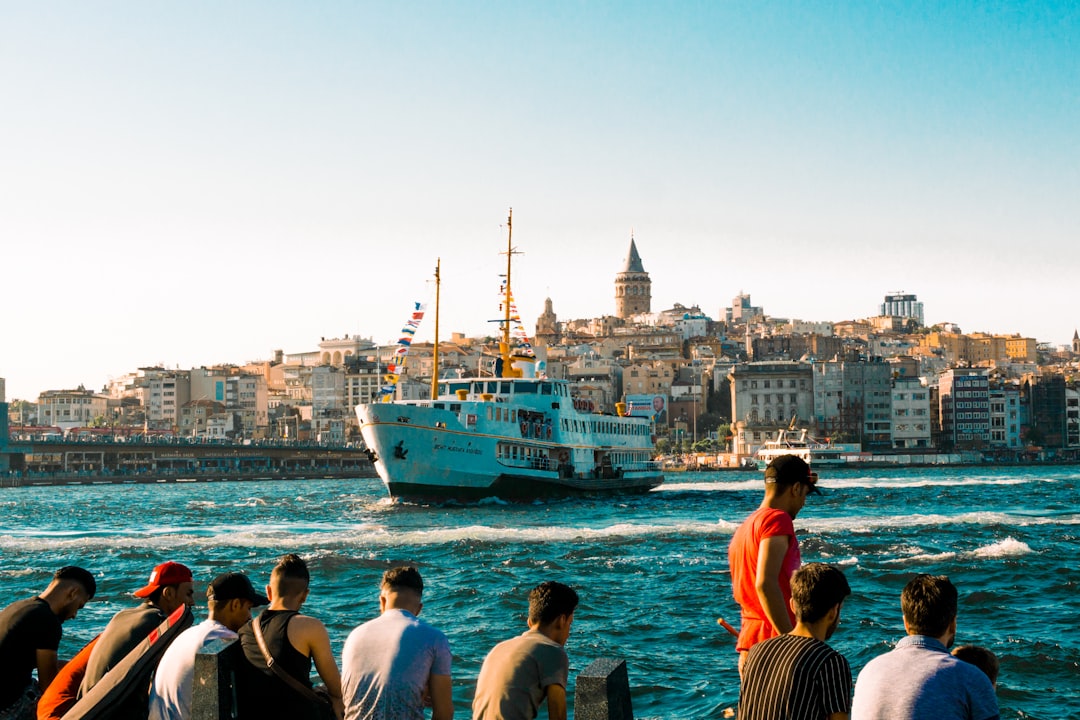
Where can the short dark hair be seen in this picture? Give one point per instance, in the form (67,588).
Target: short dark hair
(549,600)
(816,588)
(980,657)
(79,575)
(403,577)
(929,604)
(291,574)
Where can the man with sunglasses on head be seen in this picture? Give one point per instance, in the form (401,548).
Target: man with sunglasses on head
(764,553)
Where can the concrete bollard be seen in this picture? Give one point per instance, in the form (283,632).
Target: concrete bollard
(213,689)
(603,692)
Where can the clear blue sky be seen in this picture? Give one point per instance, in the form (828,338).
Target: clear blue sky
(192,183)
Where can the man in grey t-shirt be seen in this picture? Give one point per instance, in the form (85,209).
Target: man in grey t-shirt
(919,678)
(395,664)
(521,673)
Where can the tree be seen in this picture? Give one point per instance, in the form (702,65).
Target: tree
(663,446)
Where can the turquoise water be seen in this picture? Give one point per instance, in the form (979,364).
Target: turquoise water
(651,570)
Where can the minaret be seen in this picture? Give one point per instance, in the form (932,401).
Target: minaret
(633,288)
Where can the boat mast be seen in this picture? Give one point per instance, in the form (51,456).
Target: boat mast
(507,370)
(435,347)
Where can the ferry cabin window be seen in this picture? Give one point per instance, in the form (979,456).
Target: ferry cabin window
(525,388)
(545,388)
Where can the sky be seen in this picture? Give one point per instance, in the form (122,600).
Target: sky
(183,184)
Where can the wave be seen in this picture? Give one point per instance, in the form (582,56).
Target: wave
(828,483)
(1009,547)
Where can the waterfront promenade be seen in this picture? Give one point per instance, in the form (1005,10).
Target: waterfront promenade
(157,460)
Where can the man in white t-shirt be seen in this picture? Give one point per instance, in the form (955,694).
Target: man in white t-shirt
(394,665)
(230,598)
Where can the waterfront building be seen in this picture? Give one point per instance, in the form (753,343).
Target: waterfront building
(1045,396)
(964,409)
(633,288)
(67,409)
(1005,417)
(335,351)
(910,414)
(766,397)
(853,401)
(1072,416)
(900,304)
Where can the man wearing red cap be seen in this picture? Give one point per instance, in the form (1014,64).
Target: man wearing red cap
(171,585)
(764,552)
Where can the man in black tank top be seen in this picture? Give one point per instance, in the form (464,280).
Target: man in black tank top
(295,642)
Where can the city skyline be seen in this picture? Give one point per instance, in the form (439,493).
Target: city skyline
(203,184)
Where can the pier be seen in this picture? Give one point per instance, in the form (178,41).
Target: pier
(157,460)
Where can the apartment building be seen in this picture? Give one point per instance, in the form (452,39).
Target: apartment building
(910,414)
(964,408)
(1005,417)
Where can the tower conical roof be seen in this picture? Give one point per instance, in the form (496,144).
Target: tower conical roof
(633,260)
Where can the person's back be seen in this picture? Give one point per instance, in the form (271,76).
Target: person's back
(263,693)
(919,678)
(390,664)
(519,674)
(797,676)
(294,642)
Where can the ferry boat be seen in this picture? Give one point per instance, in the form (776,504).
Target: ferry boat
(516,435)
(816,454)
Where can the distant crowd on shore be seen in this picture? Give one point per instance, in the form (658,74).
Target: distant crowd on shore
(398,666)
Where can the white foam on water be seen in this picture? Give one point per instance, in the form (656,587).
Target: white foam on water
(915,482)
(1009,547)
(870,523)
(717,486)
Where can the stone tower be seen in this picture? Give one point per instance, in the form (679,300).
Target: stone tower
(547,326)
(633,288)
(1076,342)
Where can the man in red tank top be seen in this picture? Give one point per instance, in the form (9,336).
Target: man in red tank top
(764,553)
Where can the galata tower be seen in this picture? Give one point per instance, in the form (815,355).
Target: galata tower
(633,288)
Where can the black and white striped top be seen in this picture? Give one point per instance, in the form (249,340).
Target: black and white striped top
(794,678)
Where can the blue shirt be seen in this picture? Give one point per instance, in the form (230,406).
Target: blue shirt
(919,679)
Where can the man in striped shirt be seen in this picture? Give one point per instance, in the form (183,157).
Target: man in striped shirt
(797,676)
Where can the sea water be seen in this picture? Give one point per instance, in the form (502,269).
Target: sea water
(651,570)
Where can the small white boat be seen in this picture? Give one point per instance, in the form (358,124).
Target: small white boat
(816,454)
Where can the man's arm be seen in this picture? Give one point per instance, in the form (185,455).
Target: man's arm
(771,554)
(315,642)
(556,702)
(442,700)
(47,667)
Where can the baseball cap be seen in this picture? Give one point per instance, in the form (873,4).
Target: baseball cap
(167,573)
(789,470)
(234,586)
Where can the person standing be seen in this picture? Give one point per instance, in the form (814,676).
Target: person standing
(30,632)
(764,552)
(171,586)
(519,674)
(294,642)
(229,599)
(391,665)
(919,678)
(797,676)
